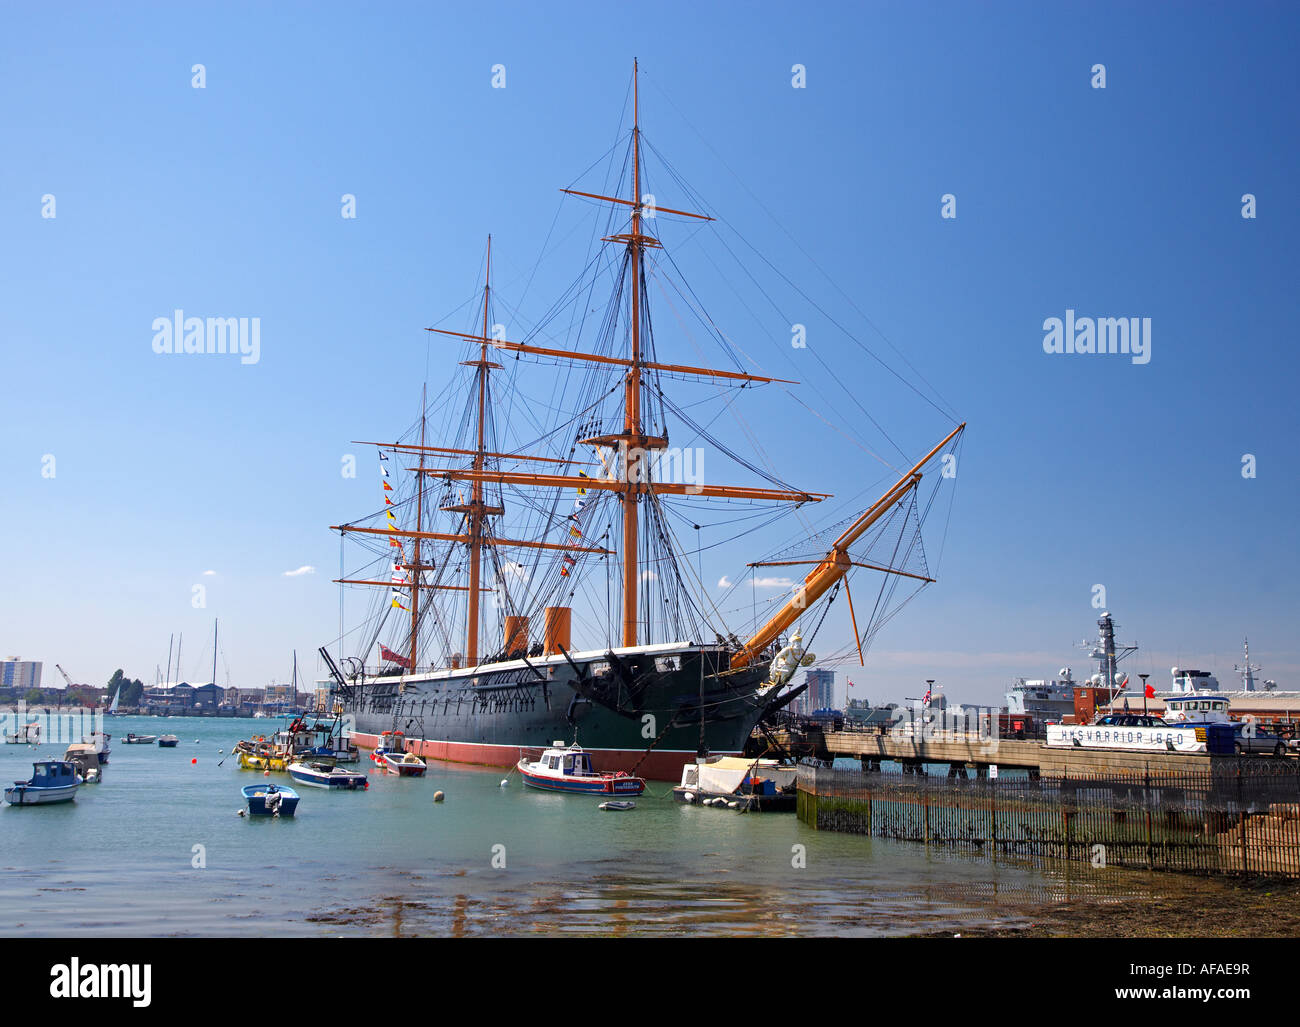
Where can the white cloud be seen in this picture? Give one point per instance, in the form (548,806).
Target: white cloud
(773,583)
(649,576)
(305,569)
(724,582)
(208,573)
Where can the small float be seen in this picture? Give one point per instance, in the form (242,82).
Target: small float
(617,805)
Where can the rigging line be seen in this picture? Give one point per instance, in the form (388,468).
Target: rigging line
(952,502)
(838,379)
(675,550)
(725,450)
(816,306)
(946,413)
(791,237)
(733,395)
(785,388)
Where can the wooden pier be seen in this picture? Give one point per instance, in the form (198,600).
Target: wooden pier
(966,756)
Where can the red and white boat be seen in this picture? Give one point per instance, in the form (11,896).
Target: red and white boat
(405,764)
(568,769)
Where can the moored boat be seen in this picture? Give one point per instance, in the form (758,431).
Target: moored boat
(405,764)
(269,800)
(27,734)
(133,739)
(89,766)
(168,741)
(316,774)
(51,781)
(568,769)
(762,786)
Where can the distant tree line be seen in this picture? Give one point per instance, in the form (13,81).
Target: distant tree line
(85,695)
(131,690)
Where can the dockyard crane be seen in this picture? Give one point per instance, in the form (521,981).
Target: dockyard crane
(65,675)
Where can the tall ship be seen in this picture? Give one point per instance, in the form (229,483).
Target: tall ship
(535,566)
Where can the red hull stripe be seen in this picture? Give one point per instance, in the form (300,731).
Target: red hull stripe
(657,766)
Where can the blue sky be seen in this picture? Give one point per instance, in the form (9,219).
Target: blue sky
(225,201)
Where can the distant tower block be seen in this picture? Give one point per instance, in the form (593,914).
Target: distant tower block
(821,689)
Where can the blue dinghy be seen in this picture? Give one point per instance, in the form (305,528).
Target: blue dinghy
(270,800)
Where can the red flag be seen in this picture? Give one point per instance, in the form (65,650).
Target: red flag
(387,654)
(1151,691)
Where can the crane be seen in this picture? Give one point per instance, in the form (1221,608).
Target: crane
(65,676)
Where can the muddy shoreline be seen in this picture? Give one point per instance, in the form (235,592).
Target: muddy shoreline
(1203,908)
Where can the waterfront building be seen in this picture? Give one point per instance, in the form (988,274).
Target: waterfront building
(20,674)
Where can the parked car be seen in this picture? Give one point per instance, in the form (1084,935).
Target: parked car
(1130,720)
(1251,738)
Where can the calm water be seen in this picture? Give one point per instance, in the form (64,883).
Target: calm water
(120,860)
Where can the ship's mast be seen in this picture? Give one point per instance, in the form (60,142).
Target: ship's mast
(419,524)
(632,422)
(633,443)
(1247,670)
(476,492)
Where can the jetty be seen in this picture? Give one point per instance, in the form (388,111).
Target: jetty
(964,755)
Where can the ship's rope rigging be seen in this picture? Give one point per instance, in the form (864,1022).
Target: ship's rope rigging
(758,201)
(675,599)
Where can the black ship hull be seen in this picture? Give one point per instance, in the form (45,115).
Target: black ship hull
(647,710)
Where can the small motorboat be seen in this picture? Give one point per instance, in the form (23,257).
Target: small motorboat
(736,782)
(270,800)
(167,741)
(325,775)
(133,739)
(99,740)
(405,764)
(89,766)
(568,769)
(617,805)
(27,734)
(52,781)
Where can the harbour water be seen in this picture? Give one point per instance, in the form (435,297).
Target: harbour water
(158,849)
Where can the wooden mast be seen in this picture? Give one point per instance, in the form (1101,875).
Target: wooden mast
(836,563)
(632,420)
(419,523)
(633,443)
(476,495)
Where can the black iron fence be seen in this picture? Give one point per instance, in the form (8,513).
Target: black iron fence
(1238,816)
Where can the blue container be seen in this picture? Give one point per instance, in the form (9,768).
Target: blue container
(1220,739)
